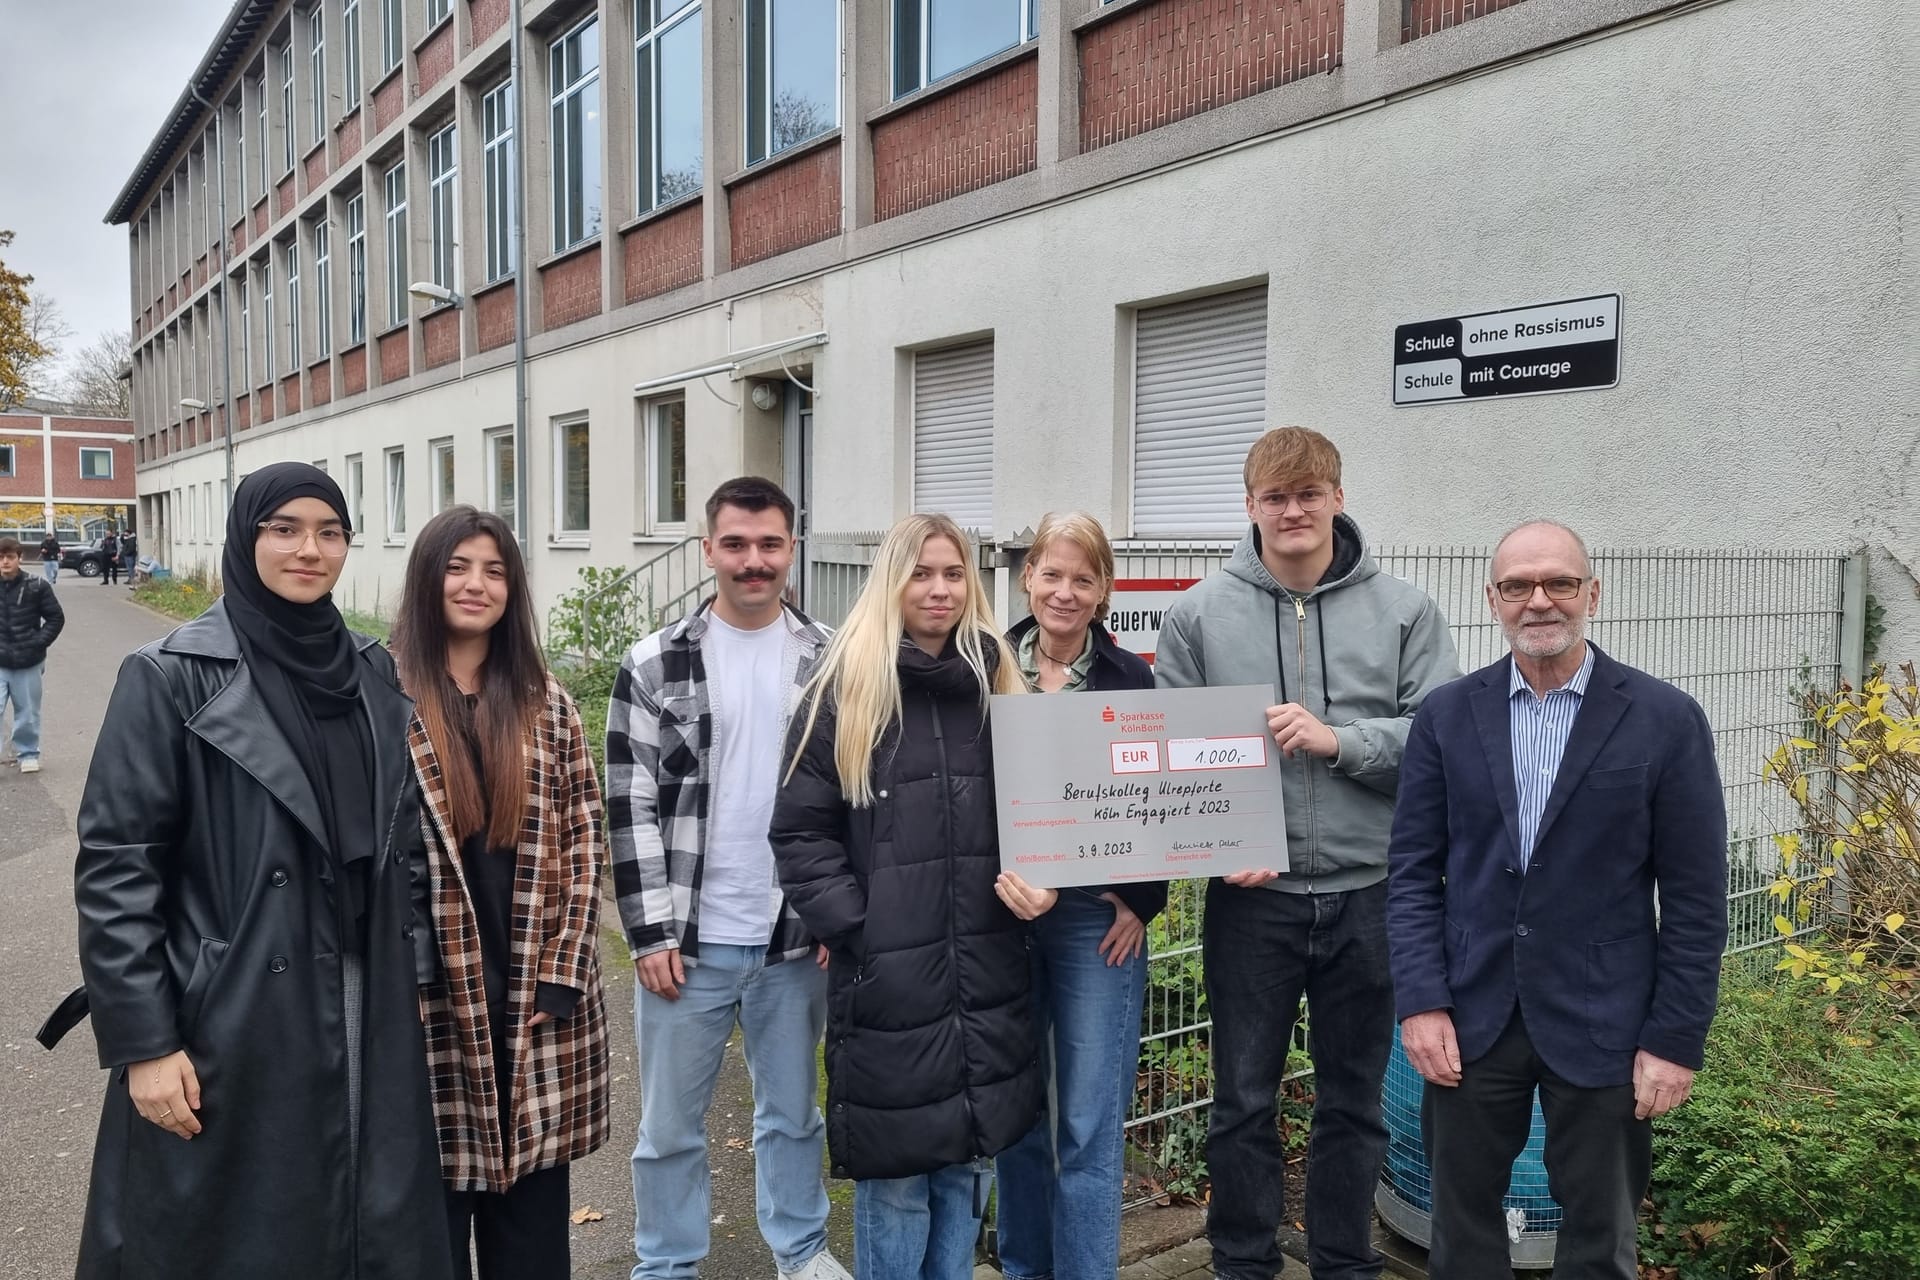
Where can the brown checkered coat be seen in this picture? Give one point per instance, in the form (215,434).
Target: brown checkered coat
(560,1068)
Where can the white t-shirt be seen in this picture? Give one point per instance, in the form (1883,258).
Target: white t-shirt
(739,891)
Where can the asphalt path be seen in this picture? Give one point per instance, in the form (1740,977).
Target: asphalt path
(50,1102)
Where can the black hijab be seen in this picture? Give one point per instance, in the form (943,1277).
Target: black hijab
(307,668)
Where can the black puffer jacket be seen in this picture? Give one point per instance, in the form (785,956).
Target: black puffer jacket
(30,620)
(931,1059)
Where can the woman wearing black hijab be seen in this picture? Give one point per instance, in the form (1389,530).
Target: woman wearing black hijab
(253,932)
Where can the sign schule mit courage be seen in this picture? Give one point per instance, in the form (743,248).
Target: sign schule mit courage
(1522,351)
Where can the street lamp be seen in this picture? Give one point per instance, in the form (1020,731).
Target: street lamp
(435,293)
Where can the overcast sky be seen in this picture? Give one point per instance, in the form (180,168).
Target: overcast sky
(87,85)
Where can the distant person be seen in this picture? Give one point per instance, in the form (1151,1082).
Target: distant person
(30,621)
(129,554)
(109,559)
(50,557)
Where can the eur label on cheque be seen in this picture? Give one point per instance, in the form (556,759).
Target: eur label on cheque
(1151,784)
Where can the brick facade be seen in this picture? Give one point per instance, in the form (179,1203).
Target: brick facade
(984,131)
(441,333)
(786,206)
(353,370)
(395,359)
(320,384)
(284,205)
(238,246)
(260,219)
(35,454)
(493,316)
(242,411)
(388,100)
(263,406)
(1424,17)
(435,59)
(349,132)
(570,289)
(290,393)
(316,165)
(488,17)
(1162,62)
(664,254)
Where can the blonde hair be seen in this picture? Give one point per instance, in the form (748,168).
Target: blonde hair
(1080,530)
(1289,456)
(860,670)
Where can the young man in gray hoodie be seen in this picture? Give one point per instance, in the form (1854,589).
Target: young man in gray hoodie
(1352,654)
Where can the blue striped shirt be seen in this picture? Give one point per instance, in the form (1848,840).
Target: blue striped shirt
(1540,727)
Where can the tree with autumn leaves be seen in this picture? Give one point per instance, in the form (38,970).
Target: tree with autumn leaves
(21,352)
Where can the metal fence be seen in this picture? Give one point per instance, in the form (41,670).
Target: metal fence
(1742,631)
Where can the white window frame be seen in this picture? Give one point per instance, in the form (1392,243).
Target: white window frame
(921,66)
(443,208)
(293,304)
(321,232)
(286,105)
(394,471)
(357,268)
(500,203)
(646,71)
(268,347)
(439,453)
(393,35)
(6,460)
(94,449)
(266,157)
(495,442)
(561,531)
(350,51)
(240,138)
(765,11)
(559,97)
(317,71)
(437,11)
(246,331)
(356,487)
(654,426)
(394,184)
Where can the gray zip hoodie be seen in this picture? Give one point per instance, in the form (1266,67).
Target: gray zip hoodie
(1361,651)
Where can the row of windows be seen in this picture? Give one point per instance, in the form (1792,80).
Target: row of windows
(793,75)
(95,463)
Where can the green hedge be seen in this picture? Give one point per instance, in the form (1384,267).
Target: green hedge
(1798,1155)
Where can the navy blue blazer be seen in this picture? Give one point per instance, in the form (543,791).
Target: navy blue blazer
(1574,939)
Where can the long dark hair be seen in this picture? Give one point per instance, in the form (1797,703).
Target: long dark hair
(512,680)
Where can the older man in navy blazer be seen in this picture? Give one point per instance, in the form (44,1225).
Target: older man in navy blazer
(1556,911)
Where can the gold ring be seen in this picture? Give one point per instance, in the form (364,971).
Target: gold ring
(166,1113)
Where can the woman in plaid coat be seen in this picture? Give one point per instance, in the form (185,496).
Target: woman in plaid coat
(516,1034)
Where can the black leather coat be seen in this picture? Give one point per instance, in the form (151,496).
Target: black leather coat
(30,620)
(205,925)
(931,1057)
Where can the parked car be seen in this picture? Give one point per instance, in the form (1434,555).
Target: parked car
(84,558)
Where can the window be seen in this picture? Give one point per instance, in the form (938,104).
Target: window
(437,11)
(392,35)
(503,477)
(396,185)
(317,72)
(666,466)
(571,509)
(396,494)
(96,464)
(793,73)
(496,131)
(350,50)
(443,217)
(440,456)
(240,142)
(1199,403)
(953,433)
(357,268)
(932,39)
(357,492)
(266,318)
(574,74)
(246,334)
(286,107)
(293,305)
(666,71)
(6,459)
(323,288)
(266,163)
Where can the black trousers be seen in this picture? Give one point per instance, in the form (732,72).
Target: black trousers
(521,1233)
(1598,1160)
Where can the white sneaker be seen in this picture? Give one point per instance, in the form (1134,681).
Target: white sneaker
(30,764)
(821,1266)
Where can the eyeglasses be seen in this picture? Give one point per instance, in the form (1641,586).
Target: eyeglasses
(1275,504)
(1519,590)
(285,539)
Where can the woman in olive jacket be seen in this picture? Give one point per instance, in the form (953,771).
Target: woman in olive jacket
(253,932)
(886,839)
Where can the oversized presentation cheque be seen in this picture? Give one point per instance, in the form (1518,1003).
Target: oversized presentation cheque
(1151,784)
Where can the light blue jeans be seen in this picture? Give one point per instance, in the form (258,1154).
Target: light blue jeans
(781,1010)
(52,569)
(920,1228)
(22,688)
(1059,1205)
